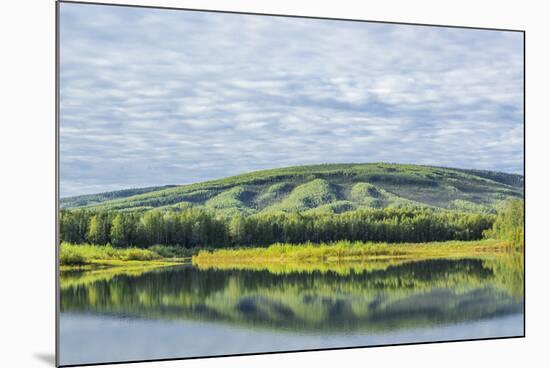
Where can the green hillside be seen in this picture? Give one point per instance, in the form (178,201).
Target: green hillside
(90,199)
(330,187)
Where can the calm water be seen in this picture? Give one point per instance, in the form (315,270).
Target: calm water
(185,311)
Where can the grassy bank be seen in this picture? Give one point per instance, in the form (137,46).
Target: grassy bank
(344,251)
(95,256)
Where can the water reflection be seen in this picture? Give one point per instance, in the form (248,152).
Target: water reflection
(387,298)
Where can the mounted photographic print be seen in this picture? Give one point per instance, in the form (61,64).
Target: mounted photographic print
(235,183)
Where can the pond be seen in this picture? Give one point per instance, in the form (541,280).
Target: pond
(187,311)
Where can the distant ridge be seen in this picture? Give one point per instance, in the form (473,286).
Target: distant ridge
(326,187)
(88,199)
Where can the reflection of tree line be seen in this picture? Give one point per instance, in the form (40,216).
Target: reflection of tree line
(413,294)
(508,271)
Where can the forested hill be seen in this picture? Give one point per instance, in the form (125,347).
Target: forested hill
(90,199)
(329,187)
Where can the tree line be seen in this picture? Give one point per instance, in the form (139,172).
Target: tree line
(197,227)
(509,224)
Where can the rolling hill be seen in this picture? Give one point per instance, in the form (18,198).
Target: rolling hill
(328,187)
(90,199)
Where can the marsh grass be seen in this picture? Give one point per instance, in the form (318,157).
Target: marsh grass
(335,255)
(90,256)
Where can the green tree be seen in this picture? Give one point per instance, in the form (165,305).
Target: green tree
(123,230)
(99,228)
(509,224)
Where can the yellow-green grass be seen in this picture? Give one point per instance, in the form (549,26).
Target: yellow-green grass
(87,256)
(342,256)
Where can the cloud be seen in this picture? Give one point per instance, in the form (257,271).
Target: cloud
(154,97)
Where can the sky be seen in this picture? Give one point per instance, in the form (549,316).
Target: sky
(155,97)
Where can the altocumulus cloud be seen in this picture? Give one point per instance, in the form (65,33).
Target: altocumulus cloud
(153,97)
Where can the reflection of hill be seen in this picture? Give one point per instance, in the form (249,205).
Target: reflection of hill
(423,293)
